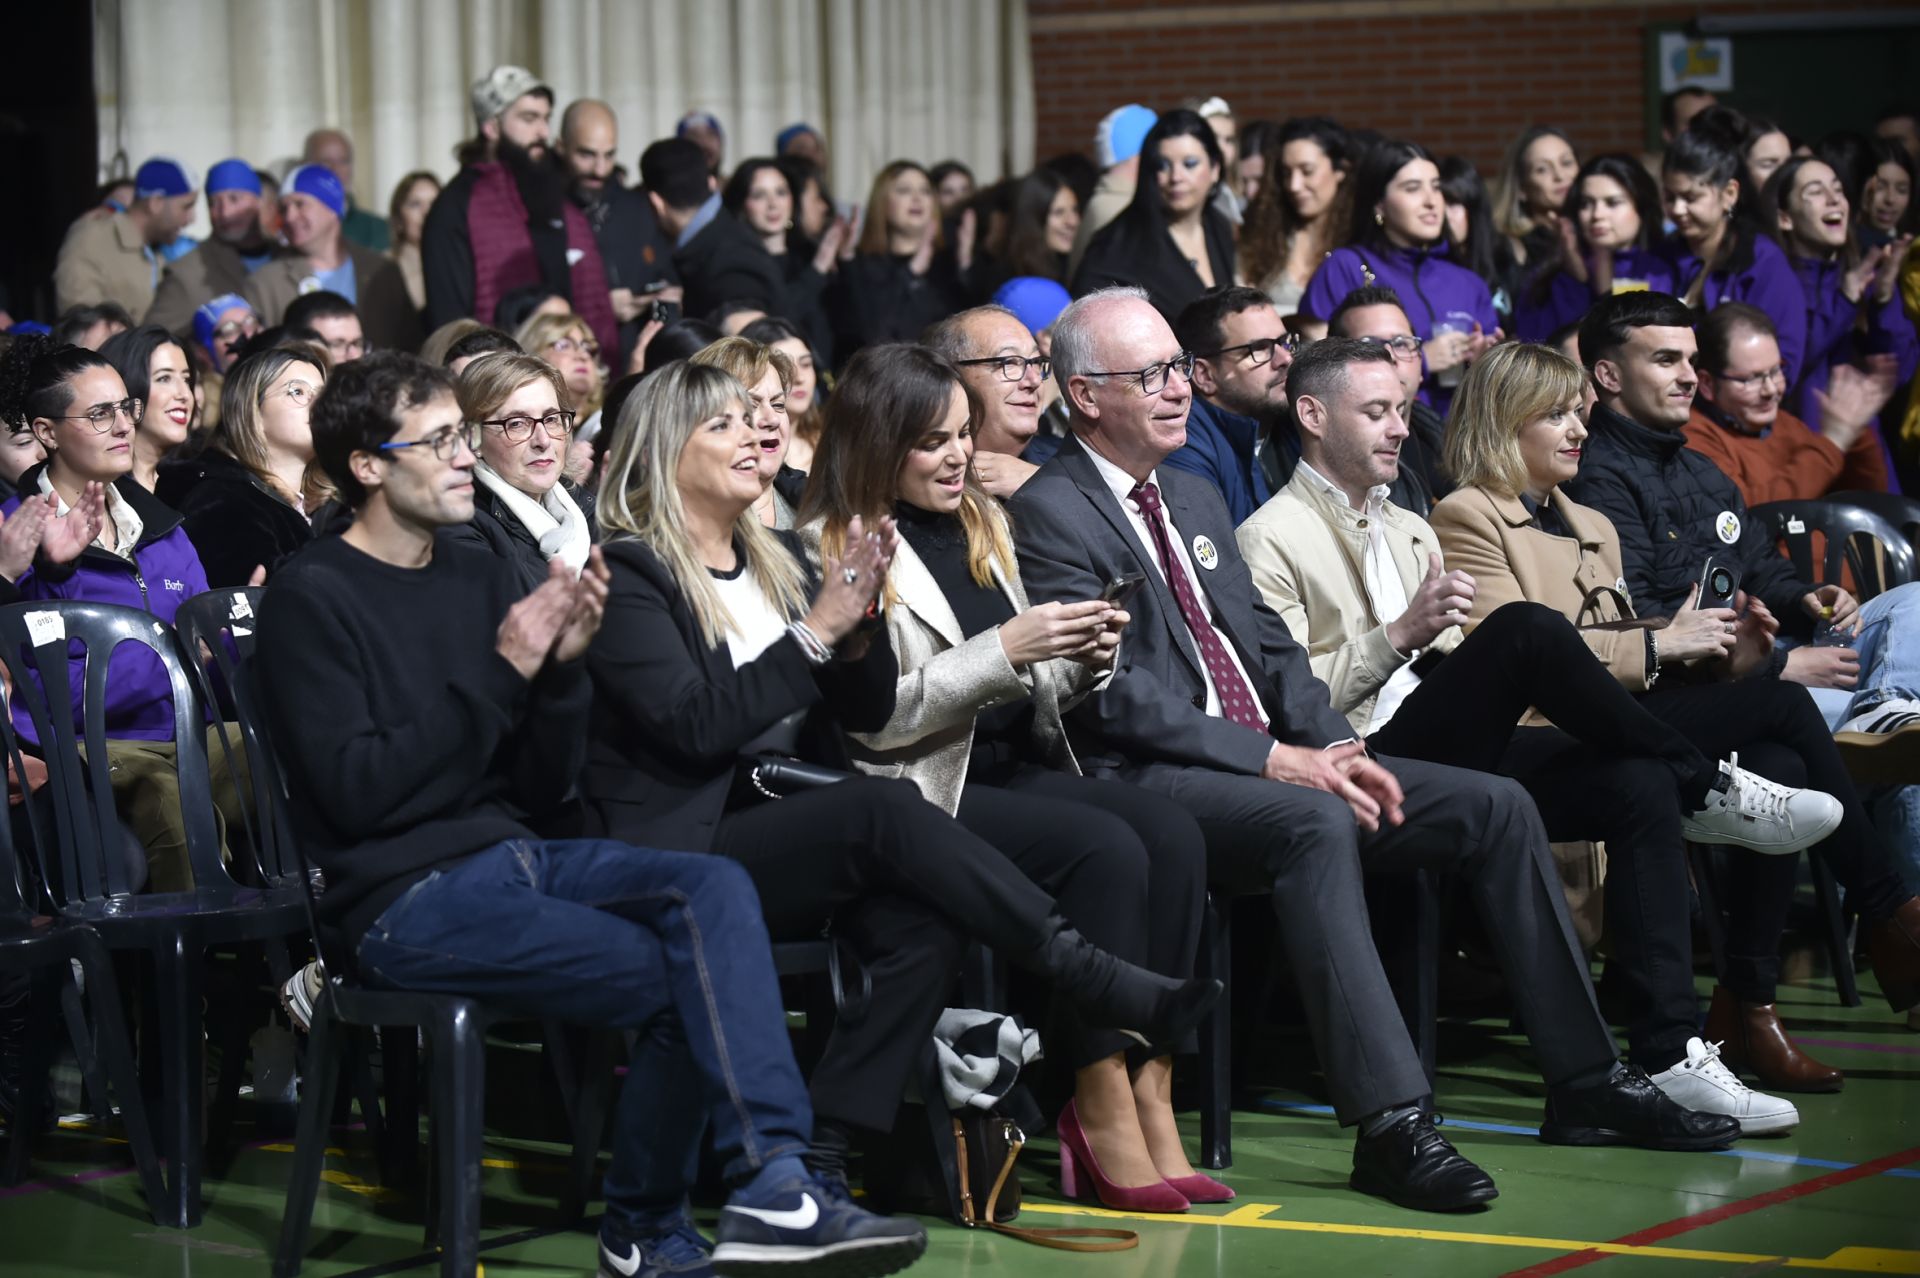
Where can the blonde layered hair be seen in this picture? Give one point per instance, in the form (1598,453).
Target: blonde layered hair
(748,361)
(1509,386)
(639,498)
(542,331)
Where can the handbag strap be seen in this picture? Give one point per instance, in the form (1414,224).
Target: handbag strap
(1070,1239)
(1590,602)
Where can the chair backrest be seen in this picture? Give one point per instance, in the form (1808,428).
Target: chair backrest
(19,893)
(84,865)
(216,631)
(1857,541)
(1901,511)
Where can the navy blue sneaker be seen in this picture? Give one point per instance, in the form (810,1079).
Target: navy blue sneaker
(680,1254)
(806,1228)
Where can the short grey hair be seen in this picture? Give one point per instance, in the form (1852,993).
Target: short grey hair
(1075,329)
(952,336)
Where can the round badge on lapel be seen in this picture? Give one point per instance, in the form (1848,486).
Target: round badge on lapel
(1205,553)
(1727,524)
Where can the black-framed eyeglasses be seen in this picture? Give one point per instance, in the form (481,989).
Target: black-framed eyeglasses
(100,416)
(1153,378)
(1012,368)
(1260,352)
(518,429)
(1405,346)
(444,443)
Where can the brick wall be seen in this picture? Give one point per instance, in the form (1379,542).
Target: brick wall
(1446,73)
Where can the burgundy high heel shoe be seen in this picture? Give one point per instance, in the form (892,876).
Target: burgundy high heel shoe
(1080,1172)
(1199,1188)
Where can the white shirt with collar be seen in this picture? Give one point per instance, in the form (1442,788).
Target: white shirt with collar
(1121,484)
(126,523)
(1385,591)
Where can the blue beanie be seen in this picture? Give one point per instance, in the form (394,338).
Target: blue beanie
(1120,134)
(164,175)
(232,175)
(789,133)
(207,318)
(1034,300)
(319,183)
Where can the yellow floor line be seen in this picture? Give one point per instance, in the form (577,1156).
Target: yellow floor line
(1877,1260)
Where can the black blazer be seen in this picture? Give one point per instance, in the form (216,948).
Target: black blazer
(1073,537)
(233,520)
(671,715)
(725,263)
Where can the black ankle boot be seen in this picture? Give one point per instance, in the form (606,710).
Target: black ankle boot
(1112,993)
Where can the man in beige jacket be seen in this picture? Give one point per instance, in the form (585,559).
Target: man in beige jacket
(117,258)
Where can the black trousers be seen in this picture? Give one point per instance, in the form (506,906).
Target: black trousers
(906,886)
(1304,842)
(1128,867)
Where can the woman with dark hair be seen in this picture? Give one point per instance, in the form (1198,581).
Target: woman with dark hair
(1767,148)
(901,277)
(1170,240)
(760,196)
(1716,254)
(1852,311)
(681,339)
(1477,244)
(413,198)
(1886,204)
(976,725)
(1531,192)
(1041,226)
(953,185)
(1398,239)
(813,209)
(1614,211)
(156,372)
(1300,212)
(244,498)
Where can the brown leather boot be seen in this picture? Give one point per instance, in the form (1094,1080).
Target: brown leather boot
(1753,1041)
(1894,947)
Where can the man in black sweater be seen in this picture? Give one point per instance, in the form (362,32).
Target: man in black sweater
(416,750)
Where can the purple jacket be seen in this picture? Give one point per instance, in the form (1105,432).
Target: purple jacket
(1760,277)
(1434,291)
(1539,313)
(1835,336)
(164,573)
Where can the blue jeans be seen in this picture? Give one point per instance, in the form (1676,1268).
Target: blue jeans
(670,944)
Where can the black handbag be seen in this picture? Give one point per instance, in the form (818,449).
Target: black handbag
(775,776)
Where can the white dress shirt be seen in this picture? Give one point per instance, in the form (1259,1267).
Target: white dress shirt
(1121,483)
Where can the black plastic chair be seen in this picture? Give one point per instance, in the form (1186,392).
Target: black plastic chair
(1842,525)
(1901,511)
(83,862)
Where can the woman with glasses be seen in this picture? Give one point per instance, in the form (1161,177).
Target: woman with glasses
(722,641)
(565,341)
(976,726)
(244,499)
(524,509)
(1171,240)
(154,367)
(1611,218)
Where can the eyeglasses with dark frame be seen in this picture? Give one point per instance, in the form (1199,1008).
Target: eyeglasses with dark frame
(1260,351)
(444,443)
(518,429)
(100,416)
(1012,368)
(1153,378)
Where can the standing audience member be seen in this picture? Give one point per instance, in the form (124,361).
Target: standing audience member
(1614,211)
(703,129)
(952,186)
(243,498)
(1301,210)
(1678,108)
(717,257)
(1241,354)
(324,260)
(505,223)
(976,726)
(1171,240)
(413,198)
(332,150)
(117,258)
(88,327)
(1214,705)
(237,248)
(402,790)
(1116,145)
(759,195)
(802,141)
(813,206)
(901,276)
(153,367)
(1477,245)
(638,258)
(1226,131)
(1042,226)
(1531,193)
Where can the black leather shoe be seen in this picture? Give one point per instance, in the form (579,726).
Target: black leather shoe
(1414,1166)
(1629,1109)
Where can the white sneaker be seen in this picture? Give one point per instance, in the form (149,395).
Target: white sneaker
(1749,811)
(1700,1082)
(1882,745)
(301,992)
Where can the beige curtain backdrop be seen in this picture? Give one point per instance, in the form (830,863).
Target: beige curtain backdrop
(883,79)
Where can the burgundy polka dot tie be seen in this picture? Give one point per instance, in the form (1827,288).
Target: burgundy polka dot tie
(1236,699)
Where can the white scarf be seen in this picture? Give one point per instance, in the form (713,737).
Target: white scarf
(555,521)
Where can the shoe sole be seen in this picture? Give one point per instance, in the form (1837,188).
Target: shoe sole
(1462,1202)
(1881,758)
(298,1008)
(1768,1125)
(856,1258)
(1721,838)
(1594,1137)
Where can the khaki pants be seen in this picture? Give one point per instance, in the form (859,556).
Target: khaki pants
(146,790)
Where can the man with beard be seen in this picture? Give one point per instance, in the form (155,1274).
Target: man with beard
(237,248)
(504,222)
(1376,314)
(1241,354)
(637,257)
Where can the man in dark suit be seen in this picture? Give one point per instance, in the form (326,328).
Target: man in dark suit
(1215,705)
(718,259)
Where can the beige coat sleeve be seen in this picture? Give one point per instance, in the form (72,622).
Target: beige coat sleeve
(947,690)
(1356,669)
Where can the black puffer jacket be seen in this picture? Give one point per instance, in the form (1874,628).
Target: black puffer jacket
(496,528)
(1667,502)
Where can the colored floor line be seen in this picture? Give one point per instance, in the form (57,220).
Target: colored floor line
(1852,1046)
(1253,1216)
(1512,1129)
(1727,1211)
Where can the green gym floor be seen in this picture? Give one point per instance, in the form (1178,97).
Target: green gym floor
(1840,1194)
